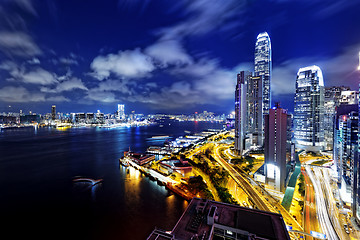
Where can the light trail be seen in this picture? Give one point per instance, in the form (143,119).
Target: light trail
(332,209)
(254,195)
(322,213)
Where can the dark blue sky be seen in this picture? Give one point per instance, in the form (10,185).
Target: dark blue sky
(165,56)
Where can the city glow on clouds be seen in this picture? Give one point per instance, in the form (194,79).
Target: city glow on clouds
(185,56)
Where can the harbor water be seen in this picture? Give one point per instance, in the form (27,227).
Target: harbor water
(38,197)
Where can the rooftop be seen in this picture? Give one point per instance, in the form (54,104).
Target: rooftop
(205,219)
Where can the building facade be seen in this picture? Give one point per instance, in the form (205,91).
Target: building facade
(53,112)
(276,123)
(263,67)
(356,174)
(309,109)
(241,115)
(255,109)
(331,102)
(121,112)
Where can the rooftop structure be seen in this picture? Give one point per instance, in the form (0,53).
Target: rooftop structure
(175,165)
(205,219)
(139,158)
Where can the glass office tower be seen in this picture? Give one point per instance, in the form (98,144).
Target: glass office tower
(263,67)
(309,109)
(241,110)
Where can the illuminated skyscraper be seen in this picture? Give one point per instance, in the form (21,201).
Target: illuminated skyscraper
(275,147)
(309,109)
(255,110)
(241,110)
(53,112)
(263,67)
(121,112)
(333,98)
(356,174)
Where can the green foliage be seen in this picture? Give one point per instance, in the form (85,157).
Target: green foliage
(301,185)
(301,203)
(197,186)
(237,160)
(218,177)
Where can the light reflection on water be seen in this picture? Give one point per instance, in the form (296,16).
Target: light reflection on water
(37,168)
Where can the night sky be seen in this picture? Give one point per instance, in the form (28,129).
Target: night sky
(165,56)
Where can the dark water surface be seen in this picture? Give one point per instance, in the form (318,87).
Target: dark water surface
(39,200)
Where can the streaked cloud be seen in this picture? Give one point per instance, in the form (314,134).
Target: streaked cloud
(18,44)
(65,86)
(169,52)
(37,76)
(19,94)
(124,64)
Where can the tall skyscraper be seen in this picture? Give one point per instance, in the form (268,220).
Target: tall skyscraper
(121,112)
(255,121)
(309,109)
(275,147)
(263,67)
(356,174)
(241,115)
(53,112)
(332,100)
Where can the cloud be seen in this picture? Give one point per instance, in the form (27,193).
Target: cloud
(99,96)
(203,82)
(22,95)
(169,52)
(341,68)
(203,16)
(67,85)
(18,43)
(125,64)
(58,99)
(68,61)
(19,94)
(37,76)
(34,61)
(26,5)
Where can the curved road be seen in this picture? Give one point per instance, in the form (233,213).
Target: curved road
(256,197)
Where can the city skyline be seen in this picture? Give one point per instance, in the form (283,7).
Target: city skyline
(51,56)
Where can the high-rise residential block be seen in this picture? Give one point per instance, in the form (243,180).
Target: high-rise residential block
(276,123)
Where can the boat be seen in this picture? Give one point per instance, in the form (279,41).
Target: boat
(160,136)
